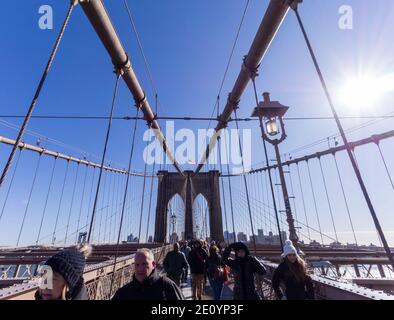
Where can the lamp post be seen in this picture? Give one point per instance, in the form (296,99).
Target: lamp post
(173,223)
(270,114)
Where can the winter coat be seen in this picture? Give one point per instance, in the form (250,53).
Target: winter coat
(243,270)
(197,259)
(295,290)
(155,287)
(174,263)
(213,263)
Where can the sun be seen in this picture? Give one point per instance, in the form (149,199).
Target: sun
(365,91)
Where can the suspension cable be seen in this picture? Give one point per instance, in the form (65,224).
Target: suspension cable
(11,184)
(60,202)
(328,199)
(246,185)
(37,94)
(303,199)
(314,200)
(29,199)
(124,200)
(72,203)
(46,200)
(345,198)
(347,145)
(118,75)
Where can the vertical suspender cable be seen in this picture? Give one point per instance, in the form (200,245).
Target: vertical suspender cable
(11,184)
(292,191)
(118,75)
(37,94)
(229,188)
(347,145)
(253,77)
(223,195)
(29,199)
(150,201)
(90,200)
(124,199)
(385,165)
(72,203)
(101,210)
(46,200)
(345,198)
(328,199)
(80,208)
(60,203)
(303,201)
(246,185)
(314,201)
(143,196)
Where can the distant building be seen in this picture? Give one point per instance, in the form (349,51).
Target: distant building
(131,238)
(230,236)
(242,237)
(270,239)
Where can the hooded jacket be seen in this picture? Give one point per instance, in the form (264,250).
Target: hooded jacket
(155,287)
(243,270)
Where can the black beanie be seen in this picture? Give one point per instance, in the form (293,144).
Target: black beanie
(70,264)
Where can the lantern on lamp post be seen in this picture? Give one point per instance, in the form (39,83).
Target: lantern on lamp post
(270,114)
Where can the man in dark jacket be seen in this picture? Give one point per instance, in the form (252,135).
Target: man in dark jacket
(147,284)
(244,267)
(197,258)
(174,264)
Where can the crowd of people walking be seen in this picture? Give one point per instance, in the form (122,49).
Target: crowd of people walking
(208,263)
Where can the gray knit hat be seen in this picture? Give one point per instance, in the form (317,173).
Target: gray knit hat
(70,264)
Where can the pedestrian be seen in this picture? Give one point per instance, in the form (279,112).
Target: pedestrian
(147,284)
(174,264)
(197,259)
(185,249)
(64,275)
(244,267)
(293,274)
(215,272)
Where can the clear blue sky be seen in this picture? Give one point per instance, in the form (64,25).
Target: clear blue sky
(187,44)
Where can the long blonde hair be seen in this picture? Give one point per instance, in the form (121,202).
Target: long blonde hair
(298,268)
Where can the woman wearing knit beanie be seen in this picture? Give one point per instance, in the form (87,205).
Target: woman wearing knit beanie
(292,273)
(67,269)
